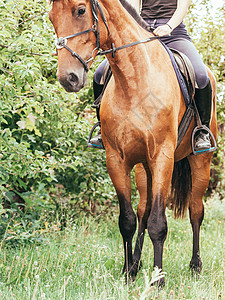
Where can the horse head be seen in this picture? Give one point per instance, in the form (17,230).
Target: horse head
(76,24)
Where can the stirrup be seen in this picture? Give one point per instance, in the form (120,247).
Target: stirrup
(91,145)
(195,131)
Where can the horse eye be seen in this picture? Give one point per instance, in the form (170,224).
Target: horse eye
(81,11)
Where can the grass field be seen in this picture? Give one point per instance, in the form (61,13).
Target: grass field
(84,261)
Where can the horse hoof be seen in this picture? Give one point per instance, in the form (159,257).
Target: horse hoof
(129,279)
(196,266)
(132,273)
(137,265)
(160,283)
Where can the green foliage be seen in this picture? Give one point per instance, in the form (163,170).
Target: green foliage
(43,130)
(26,96)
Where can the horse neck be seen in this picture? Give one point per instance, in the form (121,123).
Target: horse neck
(124,30)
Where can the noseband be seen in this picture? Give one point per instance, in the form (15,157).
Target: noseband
(62,41)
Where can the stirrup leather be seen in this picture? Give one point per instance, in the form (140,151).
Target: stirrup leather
(91,145)
(194,133)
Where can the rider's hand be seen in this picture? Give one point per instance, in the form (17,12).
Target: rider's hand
(163,30)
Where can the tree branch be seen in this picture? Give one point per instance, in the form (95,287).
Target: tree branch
(42,13)
(4,46)
(38,54)
(4,70)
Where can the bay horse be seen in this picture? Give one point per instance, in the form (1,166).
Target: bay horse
(140,112)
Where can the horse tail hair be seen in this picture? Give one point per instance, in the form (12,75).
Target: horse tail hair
(181,187)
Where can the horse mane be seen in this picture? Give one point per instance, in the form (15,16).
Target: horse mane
(132,11)
(51,1)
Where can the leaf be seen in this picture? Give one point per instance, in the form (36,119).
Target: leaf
(39,110)
(30,125)
(37,131)
(4,121)
(21,124)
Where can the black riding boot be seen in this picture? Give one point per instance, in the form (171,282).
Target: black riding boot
(203,100)
(96,141)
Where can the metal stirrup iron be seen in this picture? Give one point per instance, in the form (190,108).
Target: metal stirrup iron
(89,144)
(199,128)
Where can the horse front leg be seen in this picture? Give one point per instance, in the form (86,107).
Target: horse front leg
(120,176)
(143,182)
(161,170)
(200,172)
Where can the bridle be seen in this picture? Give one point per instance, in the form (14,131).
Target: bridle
(62,41)
(95,7)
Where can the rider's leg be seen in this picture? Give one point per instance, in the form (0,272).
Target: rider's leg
(180,40)
(203,100)
(203,94)
(97,89)
(96,141)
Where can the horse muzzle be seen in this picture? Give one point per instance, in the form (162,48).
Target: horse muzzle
(72,82)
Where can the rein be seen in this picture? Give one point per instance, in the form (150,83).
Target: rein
(113,49)
(95,7)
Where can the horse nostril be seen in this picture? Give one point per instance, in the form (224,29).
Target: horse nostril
(73,78)
(71,81)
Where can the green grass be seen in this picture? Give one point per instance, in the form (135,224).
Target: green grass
(84,261)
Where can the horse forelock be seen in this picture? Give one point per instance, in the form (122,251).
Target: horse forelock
(65,1)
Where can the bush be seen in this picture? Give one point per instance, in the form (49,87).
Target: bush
(43,130)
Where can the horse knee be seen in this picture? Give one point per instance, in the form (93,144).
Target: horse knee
(157,230)
(196,214)
(127,224)
(157,224)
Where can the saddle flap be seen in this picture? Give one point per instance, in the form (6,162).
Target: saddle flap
(107,73)
(186,69)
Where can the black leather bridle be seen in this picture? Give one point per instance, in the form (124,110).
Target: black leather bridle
(62,41)
(95,8)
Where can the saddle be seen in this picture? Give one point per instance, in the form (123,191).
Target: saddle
(186,79)
(187,71)
(106,75)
